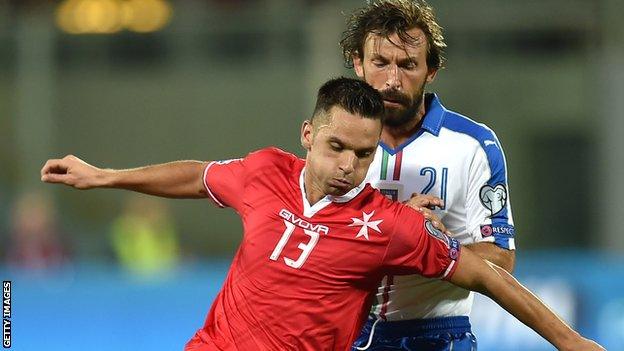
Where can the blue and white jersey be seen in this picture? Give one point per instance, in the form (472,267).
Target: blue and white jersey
(462,162)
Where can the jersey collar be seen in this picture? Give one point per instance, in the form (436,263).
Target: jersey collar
(434,117)
(311,210)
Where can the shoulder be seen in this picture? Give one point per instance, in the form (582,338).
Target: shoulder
(479,132)
(270,156)
(272,163)
(486,152)
(486,146)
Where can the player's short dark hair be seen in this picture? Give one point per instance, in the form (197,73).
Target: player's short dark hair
(386,17)
(352,95)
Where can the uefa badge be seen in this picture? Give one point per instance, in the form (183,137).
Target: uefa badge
(493,198)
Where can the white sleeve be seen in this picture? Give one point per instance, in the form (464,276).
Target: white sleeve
(488,207)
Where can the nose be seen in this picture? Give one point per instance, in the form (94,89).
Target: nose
(393,77)
(347,163)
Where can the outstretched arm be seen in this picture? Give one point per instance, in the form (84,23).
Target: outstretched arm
(503,258)
(476,274)
(180,179)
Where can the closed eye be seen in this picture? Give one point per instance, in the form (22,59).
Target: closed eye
(335,146)
(379,64)
(379,61)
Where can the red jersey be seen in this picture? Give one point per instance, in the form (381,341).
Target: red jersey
(304,274)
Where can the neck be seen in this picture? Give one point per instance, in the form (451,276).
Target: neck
(395,136)
(312,191)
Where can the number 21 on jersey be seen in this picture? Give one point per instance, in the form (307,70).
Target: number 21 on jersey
(430,178)
(432,174)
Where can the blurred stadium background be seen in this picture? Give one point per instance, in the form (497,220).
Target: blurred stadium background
(122,83)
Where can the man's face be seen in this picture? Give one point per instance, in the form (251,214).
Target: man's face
(398,71)
(340,147)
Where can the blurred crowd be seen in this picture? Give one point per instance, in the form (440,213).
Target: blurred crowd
(34,239)
(142,238)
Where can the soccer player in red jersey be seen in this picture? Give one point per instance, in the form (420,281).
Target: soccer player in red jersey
(317,240)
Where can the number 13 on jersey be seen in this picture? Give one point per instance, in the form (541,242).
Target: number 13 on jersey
(306,248)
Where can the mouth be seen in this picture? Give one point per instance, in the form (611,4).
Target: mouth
(340,183)
(393,103)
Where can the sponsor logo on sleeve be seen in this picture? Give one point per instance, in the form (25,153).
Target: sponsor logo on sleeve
(452,244)
(497,229)
(453,249)
(489,142)
(486,230)
(225,162)
(454,252)
(503,229)
(493,198)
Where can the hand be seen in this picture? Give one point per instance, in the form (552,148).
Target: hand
(423,200)
(72,171)
(434,219)
(424,204)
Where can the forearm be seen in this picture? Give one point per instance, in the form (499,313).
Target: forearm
(475,274)
(503,258)
(527,307)
(180,179)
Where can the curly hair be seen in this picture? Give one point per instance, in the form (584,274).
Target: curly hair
(386,17)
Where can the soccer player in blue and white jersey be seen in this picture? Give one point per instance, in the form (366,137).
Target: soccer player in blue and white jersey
(396,46)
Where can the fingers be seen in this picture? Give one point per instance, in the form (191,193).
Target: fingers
(59,165)
(70,170)
(56,170)
(55,178)
(424,200)
(433,218)
(54,166)
(430,200)
(428,214)
(424,204)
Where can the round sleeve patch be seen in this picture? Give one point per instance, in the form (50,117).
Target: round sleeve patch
(451,244)
(437,233)
(493,198)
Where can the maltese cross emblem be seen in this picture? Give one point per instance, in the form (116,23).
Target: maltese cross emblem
(366,223)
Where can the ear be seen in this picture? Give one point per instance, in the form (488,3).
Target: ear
(307,135)
(431,74)
(358,66)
